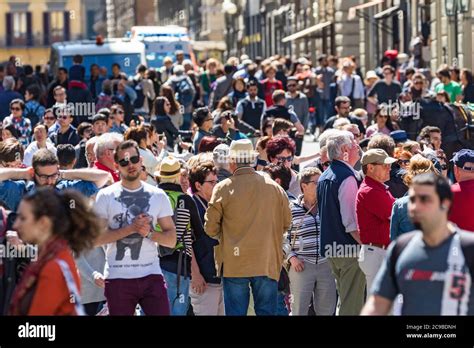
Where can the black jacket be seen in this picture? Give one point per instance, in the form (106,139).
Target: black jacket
(163,124)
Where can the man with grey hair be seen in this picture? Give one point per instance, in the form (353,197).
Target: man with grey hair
(104,149)
(221,160)
(7,96)
(340,241)
(249,214)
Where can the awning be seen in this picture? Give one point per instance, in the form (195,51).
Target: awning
(392,11)
(306,32)
(353,10)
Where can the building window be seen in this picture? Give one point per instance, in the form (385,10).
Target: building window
(56,26)
(19,29)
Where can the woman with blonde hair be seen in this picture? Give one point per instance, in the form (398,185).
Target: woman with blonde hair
(400,222)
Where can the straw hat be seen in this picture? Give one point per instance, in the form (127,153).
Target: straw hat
(370,75)
(170,168)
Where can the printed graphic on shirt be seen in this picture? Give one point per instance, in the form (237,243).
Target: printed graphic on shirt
(135,204)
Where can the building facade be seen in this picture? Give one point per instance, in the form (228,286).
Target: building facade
(28,28)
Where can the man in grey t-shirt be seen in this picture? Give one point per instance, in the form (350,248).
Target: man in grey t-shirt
(431,271)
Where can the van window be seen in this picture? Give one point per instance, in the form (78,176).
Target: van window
(128,62)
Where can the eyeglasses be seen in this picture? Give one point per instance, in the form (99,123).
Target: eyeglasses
(120,112)
(63,117)
(285,159)
(125,162)
(212,182)
(45,177)
(49,118)
(15,109)
(405,162)
(292,85)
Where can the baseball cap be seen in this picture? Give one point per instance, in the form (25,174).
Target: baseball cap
(462,157)
(376,156)
(399,136)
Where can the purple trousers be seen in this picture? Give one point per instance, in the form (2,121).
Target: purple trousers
(149,292)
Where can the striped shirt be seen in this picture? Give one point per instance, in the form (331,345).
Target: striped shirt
(304,234)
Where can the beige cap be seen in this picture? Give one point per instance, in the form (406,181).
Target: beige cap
(370,75)
(376,156)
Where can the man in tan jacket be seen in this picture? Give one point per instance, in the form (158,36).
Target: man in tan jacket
(248,213)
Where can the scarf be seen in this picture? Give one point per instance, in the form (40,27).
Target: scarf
(24,291)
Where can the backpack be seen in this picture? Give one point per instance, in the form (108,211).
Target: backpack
(32,115)
(165,251)
(184,92)
(467,246)
(140,101)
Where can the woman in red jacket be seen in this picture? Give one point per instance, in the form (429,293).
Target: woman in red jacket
(59,223)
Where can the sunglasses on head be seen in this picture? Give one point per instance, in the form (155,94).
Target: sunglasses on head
(126,161)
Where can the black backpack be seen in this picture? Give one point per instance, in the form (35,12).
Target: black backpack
(140,101)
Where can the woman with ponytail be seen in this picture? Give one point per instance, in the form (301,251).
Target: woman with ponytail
(60,224)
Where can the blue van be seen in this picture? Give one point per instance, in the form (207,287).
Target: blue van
(128,54)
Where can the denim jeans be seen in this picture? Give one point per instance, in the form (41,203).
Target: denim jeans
(237,295)
(282,310)
(178,304)
(187,117)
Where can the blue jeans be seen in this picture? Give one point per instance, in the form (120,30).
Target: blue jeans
(178,304)
(324,111)
(187,117)
(237,295)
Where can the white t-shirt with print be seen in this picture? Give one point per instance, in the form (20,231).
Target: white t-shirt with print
(133,256)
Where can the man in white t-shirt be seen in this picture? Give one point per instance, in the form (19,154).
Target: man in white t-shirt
(133,209)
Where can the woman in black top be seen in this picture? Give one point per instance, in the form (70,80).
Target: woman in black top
(468,86)
(163,123)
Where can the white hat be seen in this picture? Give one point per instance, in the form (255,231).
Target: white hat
(241,151)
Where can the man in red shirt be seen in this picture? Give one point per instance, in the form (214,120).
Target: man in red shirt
(104,149)
(374,207)
(461,212)
(270,85)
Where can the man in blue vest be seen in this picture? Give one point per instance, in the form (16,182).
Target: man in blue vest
(340,240)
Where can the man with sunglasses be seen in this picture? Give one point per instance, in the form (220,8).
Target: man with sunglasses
(463,191)
(117,116)
(297,101)
(139,216)
(66,133)
(374,208)
(385,91)
(22,124)
(431,267)
(343,109)
(15,183)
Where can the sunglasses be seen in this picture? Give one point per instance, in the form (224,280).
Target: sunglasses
(289,86)
(15,109)
(406,162)
(63,117)
(326,164)
(285,159)
(50,118)
(125,162)
(418,82)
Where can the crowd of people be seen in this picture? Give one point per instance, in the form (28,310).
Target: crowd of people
(184,191)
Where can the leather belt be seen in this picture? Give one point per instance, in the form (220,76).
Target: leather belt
(381,246)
